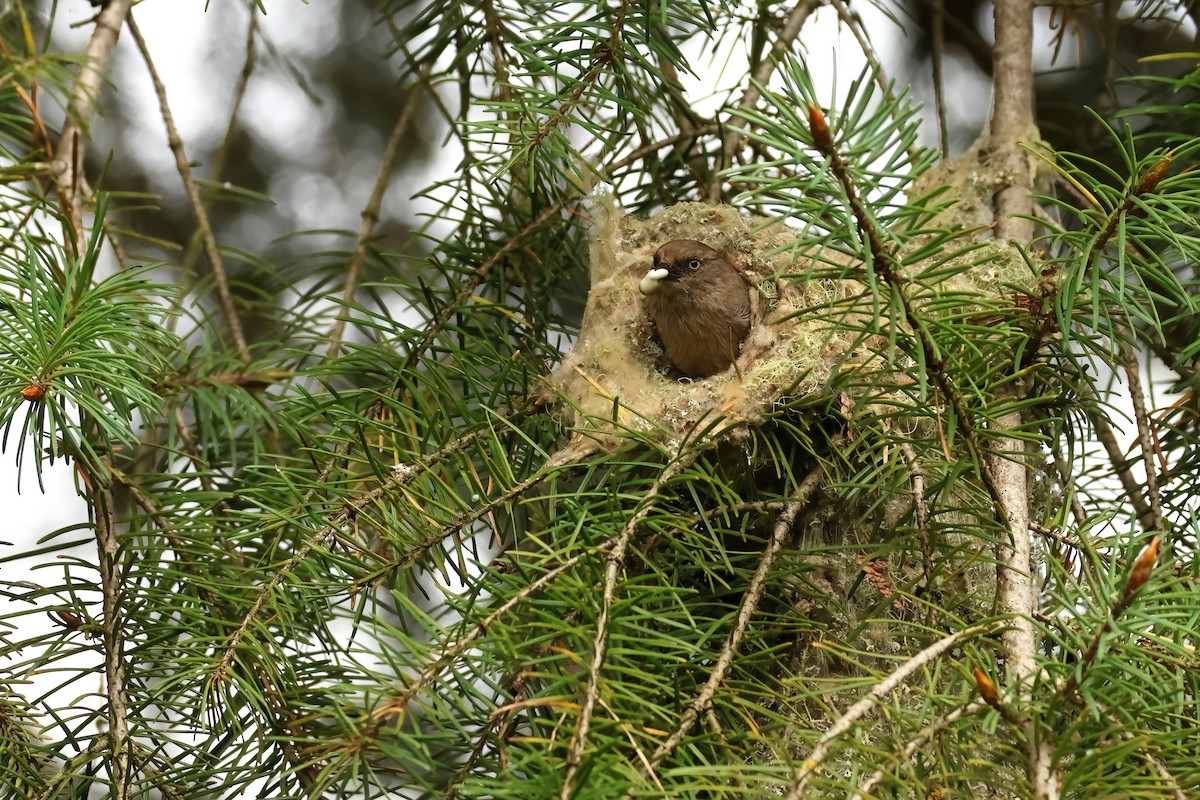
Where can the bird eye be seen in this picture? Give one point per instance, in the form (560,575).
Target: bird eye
(694,264)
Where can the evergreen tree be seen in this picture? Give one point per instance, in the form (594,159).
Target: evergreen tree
(420,521)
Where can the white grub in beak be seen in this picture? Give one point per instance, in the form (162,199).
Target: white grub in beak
(653,280)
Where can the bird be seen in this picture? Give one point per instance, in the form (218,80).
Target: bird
(700,305)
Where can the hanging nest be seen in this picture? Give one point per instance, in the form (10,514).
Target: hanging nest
(613,379)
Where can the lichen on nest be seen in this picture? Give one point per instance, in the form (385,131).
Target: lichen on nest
(611,381)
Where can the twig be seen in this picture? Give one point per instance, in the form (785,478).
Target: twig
(112,628)
(69,770)
(456,525)
(687,123)
(916,482)
(1120,463)
(923,737)
(1068,482)
(808,768)
(605,55)
(211,249)
(499,727)
(288,66)
(612,571)
(454,129)
(938,48)
(655,146)
(398,703)
(887,267)
(968,37)
(191,449)
(216,162)
(738,509)
(565,457)
(1158,766)
(760,75)
(1058,536)
(1172,359)
(164,525)
(370,213)
(114,242)
(1133,379)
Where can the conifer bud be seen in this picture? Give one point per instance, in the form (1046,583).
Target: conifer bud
(820,128)
(1142,567)
(987,690)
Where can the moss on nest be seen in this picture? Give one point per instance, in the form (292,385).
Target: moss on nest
(971,180)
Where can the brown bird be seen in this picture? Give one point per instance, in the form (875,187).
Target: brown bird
(700,304)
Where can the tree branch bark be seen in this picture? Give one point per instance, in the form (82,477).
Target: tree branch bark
(1012,121)
(68,158)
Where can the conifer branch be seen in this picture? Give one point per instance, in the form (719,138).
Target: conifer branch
(70,180)
(164,526)
(1067,481)
(1058,536)
(1121,464)
(477,276)
(923,737)
(615,563)
(401,474)
(749,605)
(1138,575)
(920,506)
(398,703)
(607,53)
(69,770)
(1155,763)
(193,453)
(566,457)
(808,768)
(760,75)
(100,499)
(886,266)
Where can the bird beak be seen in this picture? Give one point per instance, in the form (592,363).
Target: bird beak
(653,280)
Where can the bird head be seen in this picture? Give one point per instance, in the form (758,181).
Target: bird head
(676,261)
